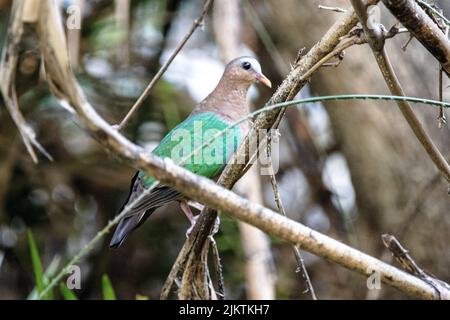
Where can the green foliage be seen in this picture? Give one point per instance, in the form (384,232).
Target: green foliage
(39,276)
(66,292)
(108,291)
(42,280)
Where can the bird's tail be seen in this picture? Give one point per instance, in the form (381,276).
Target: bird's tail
(127,225)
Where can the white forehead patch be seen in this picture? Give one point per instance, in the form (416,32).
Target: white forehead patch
(255,64)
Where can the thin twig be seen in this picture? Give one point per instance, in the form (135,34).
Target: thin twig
(407,262)
(197,22)
(335,9)
(332,64)
(376,41)
(177,267)
(442,121)
(434,11)
(301,267)
(305,77)
(265,37)
(405,46)
(336,52)
(357,38)
(411,15)
(90,245)
(218,267)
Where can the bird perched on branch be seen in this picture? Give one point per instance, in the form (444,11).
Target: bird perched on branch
(221,108)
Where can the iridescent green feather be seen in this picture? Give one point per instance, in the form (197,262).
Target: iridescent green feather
(195,131)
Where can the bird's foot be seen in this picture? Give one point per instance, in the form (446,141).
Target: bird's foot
(196,205)
(193,222)
(184,205)
(187,211)
(186,208)
(216,227)
(214,230)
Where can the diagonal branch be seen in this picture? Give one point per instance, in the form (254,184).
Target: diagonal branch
(407,262)
(197,23)
(375,38)
(421,26)
(301,267)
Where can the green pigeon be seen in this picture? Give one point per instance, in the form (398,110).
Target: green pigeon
(226,104)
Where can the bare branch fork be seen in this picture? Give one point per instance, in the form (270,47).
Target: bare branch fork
(427,29)
(407,262)
(375,39)
(423,28)
(197,23)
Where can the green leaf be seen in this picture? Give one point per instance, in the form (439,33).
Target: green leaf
(108,291)
(37,265)
(66,292)
(49,272)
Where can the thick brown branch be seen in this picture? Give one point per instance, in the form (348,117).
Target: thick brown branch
(417,21)
(375,38)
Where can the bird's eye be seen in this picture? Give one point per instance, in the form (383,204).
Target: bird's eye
(246,65)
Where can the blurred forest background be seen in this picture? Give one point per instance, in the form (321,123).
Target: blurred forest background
(351,169)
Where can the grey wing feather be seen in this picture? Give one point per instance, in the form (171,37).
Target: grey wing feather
(143,208)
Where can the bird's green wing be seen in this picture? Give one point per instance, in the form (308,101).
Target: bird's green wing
(191,134)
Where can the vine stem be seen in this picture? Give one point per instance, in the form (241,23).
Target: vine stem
(197,22)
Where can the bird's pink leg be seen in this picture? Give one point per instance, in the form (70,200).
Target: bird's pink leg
(196,205)
(187,211)
(186,208)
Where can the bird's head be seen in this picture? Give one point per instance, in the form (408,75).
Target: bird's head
(246,70)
